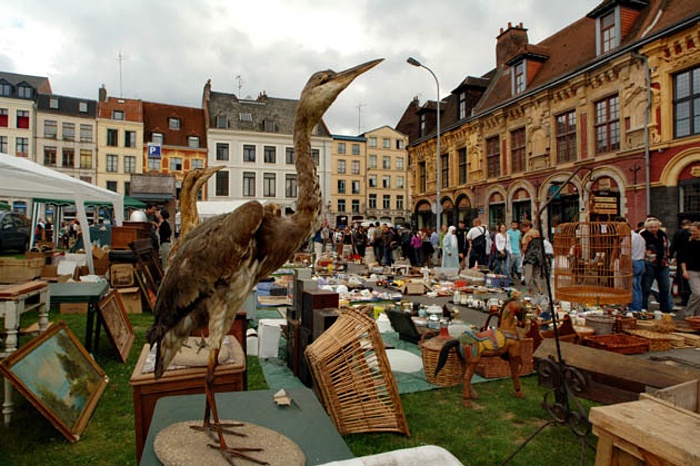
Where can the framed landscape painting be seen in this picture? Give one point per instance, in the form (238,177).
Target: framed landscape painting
(117,324)
(55,373)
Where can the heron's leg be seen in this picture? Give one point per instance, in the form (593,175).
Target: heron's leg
(209,389)
(228,452)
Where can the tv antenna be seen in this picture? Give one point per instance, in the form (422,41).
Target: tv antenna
(239,78)
(120,59)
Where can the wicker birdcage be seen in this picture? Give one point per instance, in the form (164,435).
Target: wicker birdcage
(354,379)
(593,262)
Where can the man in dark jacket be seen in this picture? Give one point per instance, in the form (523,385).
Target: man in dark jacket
(461,235)
(678,250)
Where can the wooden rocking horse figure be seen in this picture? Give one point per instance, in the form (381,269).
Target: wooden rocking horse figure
(503,341)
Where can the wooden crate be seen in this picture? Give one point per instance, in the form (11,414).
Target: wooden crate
(20,270)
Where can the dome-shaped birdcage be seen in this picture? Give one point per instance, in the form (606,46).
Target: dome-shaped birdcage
(593,263)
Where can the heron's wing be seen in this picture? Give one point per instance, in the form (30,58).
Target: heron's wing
(210,258)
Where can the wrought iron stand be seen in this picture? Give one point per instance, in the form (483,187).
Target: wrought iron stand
(566,381)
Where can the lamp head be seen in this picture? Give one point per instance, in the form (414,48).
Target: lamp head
(413,61)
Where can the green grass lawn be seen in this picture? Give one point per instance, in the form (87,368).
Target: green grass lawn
(483,435)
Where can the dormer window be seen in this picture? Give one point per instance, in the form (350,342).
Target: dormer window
(24,91)
(5,88)
(157,138)
(519,78)
(608,34)
(117,114)
(53,102)
(174,123)
(462,105)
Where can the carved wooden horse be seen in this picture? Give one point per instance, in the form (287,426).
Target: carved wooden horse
(503,341)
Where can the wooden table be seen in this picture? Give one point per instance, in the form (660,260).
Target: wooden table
(304,422)
(90,293)
(147,390)
(15,300)
(645,432)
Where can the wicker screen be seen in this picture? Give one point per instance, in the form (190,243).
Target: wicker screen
(593,263)
(353,377)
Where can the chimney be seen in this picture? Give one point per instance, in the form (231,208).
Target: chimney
(102,94)
(509,42)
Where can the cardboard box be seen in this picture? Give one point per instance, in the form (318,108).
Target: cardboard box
(413,288)
(50,274)
(74,308)
(269,332)
(99,253)
(131,297)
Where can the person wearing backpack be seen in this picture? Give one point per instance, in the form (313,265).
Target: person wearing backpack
(533,266)
(476,237)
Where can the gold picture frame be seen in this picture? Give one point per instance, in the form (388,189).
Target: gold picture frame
(56,374)
(117,324)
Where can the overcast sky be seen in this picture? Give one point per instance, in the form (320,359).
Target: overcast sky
(170,48)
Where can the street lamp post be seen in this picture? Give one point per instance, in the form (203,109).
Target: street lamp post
(438,205)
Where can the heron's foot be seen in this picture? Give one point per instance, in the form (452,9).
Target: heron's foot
(519,394)
(232,453)
(211,429)
(467,403)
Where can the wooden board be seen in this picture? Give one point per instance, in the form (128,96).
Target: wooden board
(612,377)
(18,289)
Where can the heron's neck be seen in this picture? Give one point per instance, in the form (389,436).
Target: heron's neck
(309,200)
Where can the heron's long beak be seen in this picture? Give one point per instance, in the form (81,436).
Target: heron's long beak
(348,75)
(209,171)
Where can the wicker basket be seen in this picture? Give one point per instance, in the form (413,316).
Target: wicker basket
(657,341)
(452,374)
(495,367)
(603,325)
(353,377)
(618,343)
(623,323)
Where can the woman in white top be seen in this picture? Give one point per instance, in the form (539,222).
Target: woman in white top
(502,248)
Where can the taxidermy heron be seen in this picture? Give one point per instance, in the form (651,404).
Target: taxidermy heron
(189,217)
(221,260)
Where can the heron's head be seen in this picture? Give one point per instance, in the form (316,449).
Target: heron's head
(196,178)
(324,87)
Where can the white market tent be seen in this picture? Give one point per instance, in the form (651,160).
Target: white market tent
(208,209)
(25,179)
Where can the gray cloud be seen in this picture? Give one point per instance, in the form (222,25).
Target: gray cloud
(171,49)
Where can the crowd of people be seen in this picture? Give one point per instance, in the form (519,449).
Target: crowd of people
(517,251)
(653,253)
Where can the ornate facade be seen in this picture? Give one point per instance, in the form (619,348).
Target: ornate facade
(573,108)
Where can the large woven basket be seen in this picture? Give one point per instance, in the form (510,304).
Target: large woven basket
(353,377)
(452,374)
(494,367)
